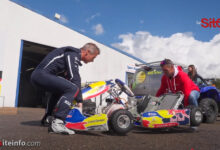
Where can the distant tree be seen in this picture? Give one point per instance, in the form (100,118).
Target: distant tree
(217,83)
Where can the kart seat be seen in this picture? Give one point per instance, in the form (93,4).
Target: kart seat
(141,106)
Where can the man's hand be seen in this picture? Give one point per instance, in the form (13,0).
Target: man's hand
(80,105)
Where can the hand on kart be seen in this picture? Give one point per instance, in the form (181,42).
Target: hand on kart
(179,92)
(80,105)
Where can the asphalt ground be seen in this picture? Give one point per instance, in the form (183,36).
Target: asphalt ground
(25,126)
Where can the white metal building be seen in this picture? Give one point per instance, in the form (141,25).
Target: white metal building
(26,37)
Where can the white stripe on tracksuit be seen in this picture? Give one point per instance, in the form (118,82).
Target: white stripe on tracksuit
(70,67)
(60,56)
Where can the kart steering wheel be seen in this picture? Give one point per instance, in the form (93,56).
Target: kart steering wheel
(124,87)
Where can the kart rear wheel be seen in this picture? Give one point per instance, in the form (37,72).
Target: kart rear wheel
(196,115)
(209,109)
(121,121)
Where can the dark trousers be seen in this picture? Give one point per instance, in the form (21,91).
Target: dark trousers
(58,86)
(52,103)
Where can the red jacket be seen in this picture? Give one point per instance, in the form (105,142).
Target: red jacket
(180,82)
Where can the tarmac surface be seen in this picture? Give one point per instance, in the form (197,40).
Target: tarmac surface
(25,126)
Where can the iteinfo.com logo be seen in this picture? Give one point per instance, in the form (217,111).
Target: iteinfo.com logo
(15,143)
(210,23)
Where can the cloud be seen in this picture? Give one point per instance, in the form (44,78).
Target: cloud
(141,21)
(180,47)
(98,29)
(63,19)
(92,17)
(82,30)
(198,22)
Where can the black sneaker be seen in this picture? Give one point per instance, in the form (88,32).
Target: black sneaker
(46,120)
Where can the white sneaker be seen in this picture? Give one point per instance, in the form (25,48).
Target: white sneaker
(58,126)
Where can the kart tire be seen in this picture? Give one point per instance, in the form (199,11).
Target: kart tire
(209,109)
(121,122)
(196,115)
(143,104)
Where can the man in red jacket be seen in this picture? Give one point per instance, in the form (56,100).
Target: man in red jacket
(175,80)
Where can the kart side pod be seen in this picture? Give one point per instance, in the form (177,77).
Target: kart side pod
(165,118)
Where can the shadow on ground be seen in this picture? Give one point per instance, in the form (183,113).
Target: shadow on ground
(173,130)
(32,123)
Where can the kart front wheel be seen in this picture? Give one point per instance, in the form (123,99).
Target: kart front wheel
(121,121)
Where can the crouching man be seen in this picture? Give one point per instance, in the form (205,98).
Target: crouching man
(65,59)
(175,80)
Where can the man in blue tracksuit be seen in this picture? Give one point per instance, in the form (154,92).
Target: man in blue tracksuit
(65,59)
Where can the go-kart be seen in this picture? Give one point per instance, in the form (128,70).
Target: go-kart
(161,112)
(112,116)
(147,79)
